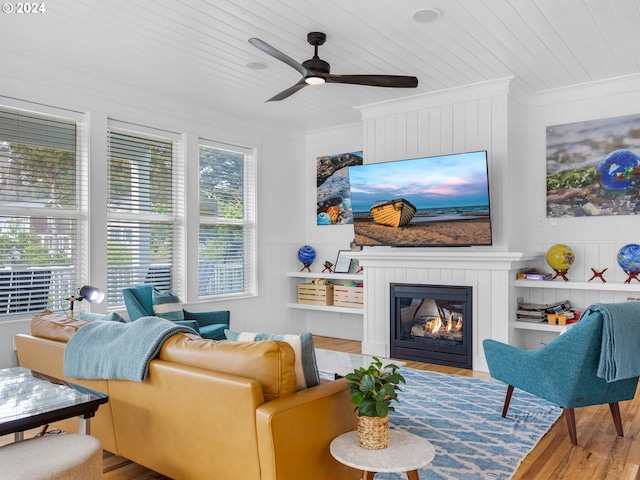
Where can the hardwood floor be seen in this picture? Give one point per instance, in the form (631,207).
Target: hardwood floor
(600,455)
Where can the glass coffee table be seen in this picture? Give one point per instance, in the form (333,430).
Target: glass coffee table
(406,453)
(30,399)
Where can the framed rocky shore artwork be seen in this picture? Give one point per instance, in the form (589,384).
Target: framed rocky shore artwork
(333,197)
(593,168)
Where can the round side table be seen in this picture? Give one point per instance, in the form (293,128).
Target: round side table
(406,453)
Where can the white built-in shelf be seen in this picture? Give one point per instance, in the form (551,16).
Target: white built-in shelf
(544,327)
(331,278)
(328,276)
(327,308)
(560,284)
(570,285)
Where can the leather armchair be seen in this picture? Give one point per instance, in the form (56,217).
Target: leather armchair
(211,325)
(563,372)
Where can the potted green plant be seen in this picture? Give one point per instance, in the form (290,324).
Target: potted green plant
(372,391)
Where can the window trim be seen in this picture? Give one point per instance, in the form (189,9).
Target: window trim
(92,213)
(79,213)
(250,227)
(177,185)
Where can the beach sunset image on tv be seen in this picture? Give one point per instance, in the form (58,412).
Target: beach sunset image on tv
(429,201)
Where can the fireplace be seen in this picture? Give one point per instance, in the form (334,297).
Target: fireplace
(432,324)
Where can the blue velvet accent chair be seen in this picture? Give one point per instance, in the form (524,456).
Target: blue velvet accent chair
(563,372)
(211,325)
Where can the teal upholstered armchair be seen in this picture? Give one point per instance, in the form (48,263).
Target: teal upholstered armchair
(139,303)
(565,371)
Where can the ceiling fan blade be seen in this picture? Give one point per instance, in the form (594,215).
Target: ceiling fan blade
(396,81)
(275,53)
(289,91)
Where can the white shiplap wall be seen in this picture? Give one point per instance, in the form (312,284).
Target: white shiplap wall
(594,240)
(459,120)
(511,127)
(452,121)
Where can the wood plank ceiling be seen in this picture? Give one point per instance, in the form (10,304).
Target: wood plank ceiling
(197,50)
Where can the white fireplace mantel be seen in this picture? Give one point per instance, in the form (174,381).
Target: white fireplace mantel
(489,272)
(485,259)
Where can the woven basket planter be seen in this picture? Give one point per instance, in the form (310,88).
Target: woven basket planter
(373,432)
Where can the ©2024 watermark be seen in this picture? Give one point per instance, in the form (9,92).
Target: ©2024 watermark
(23,8)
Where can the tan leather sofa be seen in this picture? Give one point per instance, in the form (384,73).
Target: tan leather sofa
(209,409)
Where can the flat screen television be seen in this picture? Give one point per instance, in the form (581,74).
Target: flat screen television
(439,201)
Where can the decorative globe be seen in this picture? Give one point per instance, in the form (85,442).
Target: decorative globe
(629,258)
(306,255)
(613,168)
(560,257)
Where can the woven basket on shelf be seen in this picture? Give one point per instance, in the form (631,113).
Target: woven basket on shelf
(373,432)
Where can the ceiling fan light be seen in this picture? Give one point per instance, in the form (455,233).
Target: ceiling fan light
(314,80)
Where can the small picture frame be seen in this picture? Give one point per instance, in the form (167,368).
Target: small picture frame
(343,263)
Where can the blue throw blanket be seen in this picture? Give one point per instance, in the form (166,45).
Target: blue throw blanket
(120,351)
(619,357)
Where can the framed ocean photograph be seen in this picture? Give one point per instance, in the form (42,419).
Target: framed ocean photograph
(593,168)
(333,197)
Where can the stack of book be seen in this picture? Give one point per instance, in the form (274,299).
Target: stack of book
(533,274)
(537,312)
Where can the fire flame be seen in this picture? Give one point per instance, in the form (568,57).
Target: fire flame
(450,323)
(437,324)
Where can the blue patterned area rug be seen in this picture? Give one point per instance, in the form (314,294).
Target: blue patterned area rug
(461,417)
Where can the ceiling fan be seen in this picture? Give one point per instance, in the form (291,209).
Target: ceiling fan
(316,71)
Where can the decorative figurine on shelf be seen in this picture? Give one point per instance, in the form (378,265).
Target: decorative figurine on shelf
(629,260)
(560,257)
(598,274)
(327,267)
(306,255)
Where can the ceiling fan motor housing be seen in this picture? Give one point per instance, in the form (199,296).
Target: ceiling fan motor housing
(316,65)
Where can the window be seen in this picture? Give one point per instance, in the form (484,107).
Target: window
(226,251)
(141,212)
(44,212)
(39,211)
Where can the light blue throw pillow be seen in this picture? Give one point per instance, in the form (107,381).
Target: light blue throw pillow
(305,364)
(167,305)
(103,317)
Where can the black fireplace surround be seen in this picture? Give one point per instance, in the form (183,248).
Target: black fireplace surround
(432,324)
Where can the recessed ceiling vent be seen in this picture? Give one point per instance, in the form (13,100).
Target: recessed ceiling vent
(426,15)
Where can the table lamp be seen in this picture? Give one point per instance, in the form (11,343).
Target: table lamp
(91,294)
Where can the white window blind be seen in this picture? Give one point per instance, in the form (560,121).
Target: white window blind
(226,250)
(39,211)
(141,212)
